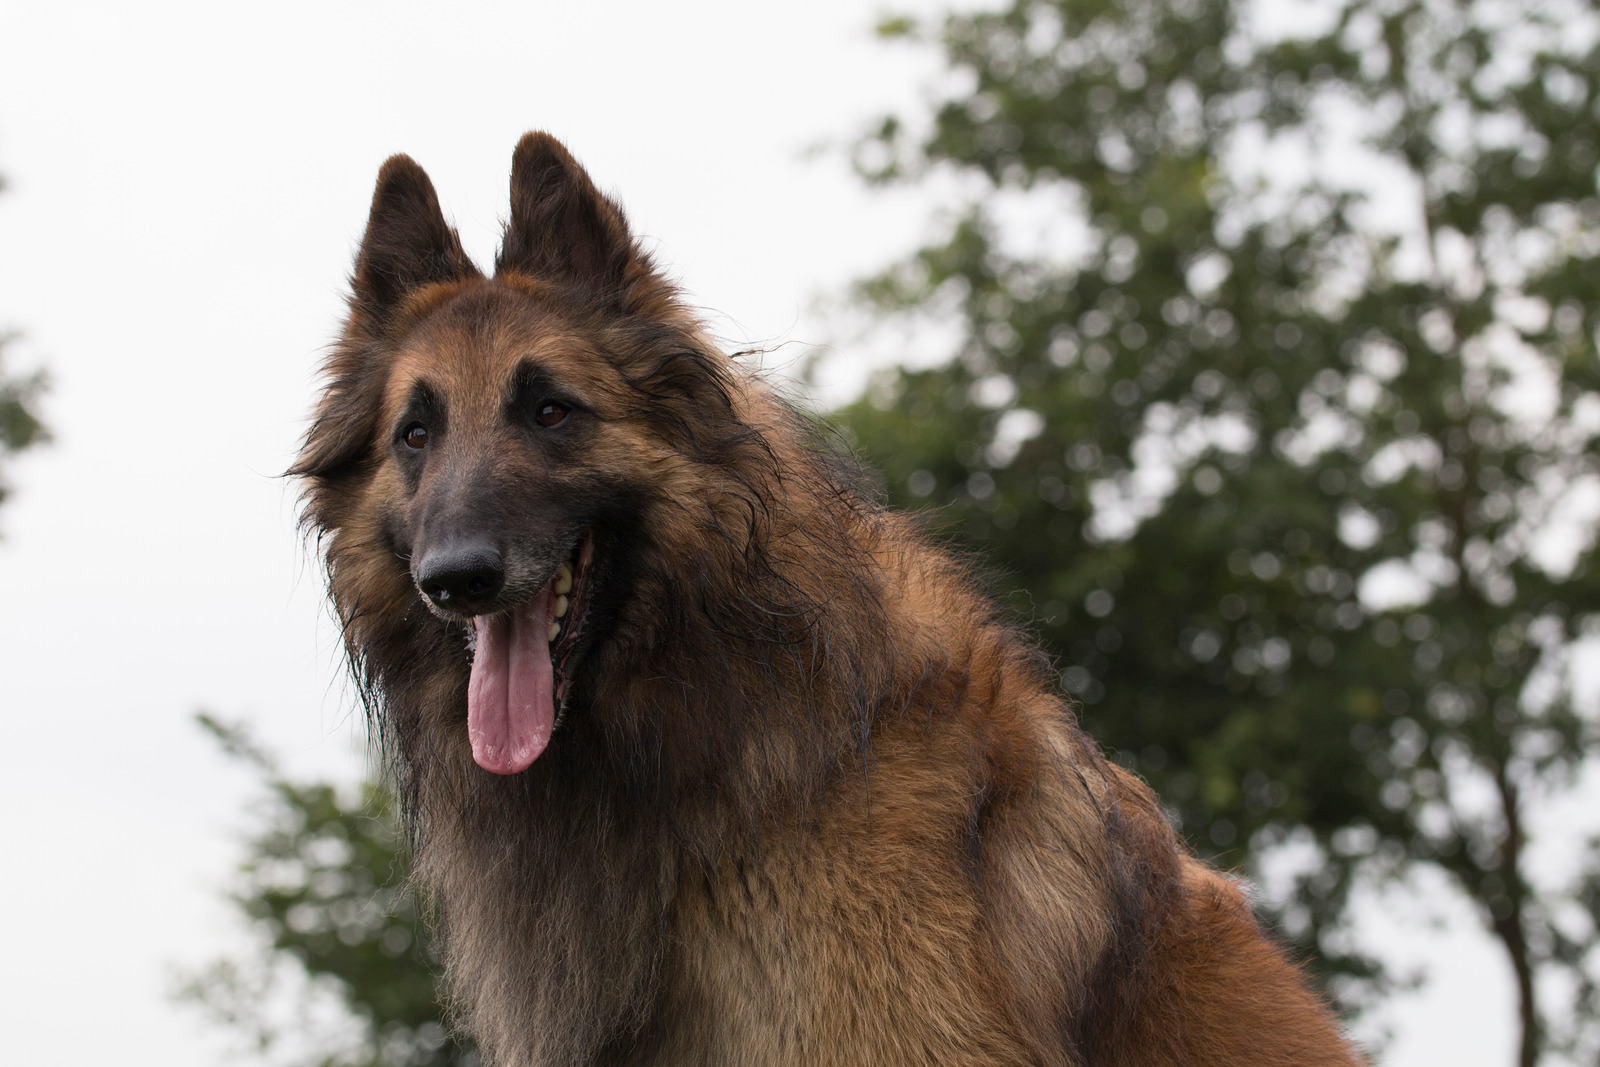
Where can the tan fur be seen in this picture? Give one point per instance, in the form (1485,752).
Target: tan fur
(817,804)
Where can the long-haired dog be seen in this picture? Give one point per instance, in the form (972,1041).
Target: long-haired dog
(709,759)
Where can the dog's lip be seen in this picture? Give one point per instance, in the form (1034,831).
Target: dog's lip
(578,558)
(566,651)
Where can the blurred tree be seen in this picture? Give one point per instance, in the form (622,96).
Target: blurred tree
(325,883)
(1273,395)
(19,420)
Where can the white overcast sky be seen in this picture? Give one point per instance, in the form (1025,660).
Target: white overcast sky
(187,184)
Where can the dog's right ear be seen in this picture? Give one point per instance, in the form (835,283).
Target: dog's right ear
(407,245)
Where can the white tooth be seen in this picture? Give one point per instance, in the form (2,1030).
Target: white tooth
(561,607)
(564,579)
(555,631)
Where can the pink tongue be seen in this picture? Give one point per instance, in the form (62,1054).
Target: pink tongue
(511,693)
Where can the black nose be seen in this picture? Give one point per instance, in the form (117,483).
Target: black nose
(463,577)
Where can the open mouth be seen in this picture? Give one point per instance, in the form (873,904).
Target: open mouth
(522,665)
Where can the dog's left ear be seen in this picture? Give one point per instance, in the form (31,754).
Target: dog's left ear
(562,228)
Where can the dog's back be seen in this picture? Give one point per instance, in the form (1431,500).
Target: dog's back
(977,886)
(777,786)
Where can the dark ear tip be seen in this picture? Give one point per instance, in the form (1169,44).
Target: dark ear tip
(401,177)
(538,150)
(402,168)
(396,164)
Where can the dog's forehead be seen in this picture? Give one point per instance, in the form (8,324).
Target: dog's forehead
(473,344)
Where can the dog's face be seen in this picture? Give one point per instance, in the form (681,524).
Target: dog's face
(493,424)
(512,437)
(500,428)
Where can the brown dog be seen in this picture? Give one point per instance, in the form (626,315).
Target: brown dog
(709,759)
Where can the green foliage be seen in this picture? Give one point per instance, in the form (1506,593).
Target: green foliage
(20,427)
(325,882)
(1274,395)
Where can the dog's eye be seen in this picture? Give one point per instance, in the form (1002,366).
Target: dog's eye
(416,435)
(551,414)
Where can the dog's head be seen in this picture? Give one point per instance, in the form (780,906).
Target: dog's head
(494,448)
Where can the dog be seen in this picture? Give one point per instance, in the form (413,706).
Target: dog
(709,758)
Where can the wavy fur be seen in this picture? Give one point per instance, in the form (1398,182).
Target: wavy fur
(814,802)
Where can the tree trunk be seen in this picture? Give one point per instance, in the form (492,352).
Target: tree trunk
(1509,926)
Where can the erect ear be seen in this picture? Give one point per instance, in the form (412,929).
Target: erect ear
(407,244)
(561,227)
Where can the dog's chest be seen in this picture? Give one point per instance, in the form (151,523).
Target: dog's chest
(849,941)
